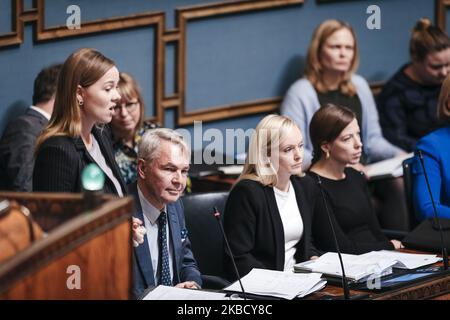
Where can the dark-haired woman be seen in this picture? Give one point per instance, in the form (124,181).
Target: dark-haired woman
(335,135)
(408,102)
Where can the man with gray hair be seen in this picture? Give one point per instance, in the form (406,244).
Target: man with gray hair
(165,256)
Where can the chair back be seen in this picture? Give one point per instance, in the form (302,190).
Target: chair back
(408,183)
(204,230)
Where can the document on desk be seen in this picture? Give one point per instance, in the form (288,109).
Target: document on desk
(407,260)
(390,168)
(286,285)
(360,267)
(173,293)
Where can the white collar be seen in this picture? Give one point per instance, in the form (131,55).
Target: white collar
(41,111)
(148,209)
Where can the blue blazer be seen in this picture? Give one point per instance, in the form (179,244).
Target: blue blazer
(436,154)
(185,267)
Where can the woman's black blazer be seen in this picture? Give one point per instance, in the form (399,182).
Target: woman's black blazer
(254,228)
(61,159)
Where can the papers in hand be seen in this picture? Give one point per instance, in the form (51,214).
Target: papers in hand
(173,293)
(358,268)
(279,284)
(390,168)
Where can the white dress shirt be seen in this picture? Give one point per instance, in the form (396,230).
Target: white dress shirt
(292,223)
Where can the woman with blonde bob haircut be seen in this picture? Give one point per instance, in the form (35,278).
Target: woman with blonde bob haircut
(329,77)
(85,99)
(436,158)
(267,216)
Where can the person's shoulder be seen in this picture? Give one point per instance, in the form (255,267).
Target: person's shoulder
(307,181)
(247,187)
(300,85)
(434,138)
(306,184)
(25,123)
(359,80)
(354,175)
(353,172)
(59,142)
(247,184)
(397,82)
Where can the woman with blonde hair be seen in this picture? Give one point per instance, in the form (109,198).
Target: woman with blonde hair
(128,126)
(85,99)
(436,158)
(408,101)
(331,63)
(267,216)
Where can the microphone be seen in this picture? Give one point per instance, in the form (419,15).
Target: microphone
(436,217)
(217,216)
(344,279)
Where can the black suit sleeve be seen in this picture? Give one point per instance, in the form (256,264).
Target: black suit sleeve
(56,169)
(393,119)
(240,222)
(189,270)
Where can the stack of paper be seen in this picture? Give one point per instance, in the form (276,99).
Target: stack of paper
(279,284)
(387,168)
(173,293)
(359,267)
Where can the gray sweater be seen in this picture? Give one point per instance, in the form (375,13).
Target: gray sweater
(301,102)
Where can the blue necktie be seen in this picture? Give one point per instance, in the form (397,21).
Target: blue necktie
(165,278)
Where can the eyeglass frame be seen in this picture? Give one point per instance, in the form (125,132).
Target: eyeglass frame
(129,106)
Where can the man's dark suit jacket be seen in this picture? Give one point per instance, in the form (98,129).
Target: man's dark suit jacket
(254,228)
(17,151)
(61,160)
(184,268)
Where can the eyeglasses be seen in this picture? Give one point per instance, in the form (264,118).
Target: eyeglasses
(129,106)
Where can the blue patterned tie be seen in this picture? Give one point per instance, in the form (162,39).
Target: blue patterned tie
(165,278)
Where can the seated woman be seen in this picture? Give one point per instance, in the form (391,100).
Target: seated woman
(436,158)
(330,77)
(337,145)
(75,136)
(268,215)
(408,102)
(128,126)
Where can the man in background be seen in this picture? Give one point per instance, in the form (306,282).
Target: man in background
(17,144)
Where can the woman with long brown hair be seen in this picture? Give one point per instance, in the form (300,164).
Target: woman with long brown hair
(75,137)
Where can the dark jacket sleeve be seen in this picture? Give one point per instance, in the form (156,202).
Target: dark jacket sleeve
(240,220)
(324,235)
(19,139)
(189,270)
(310,190)
(393,120)
(56,169)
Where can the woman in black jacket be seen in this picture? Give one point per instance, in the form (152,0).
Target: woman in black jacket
(85,99)
(267,216)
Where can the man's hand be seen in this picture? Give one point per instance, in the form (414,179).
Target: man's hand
(138,232)
(188,285)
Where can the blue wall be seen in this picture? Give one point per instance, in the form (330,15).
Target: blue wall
(229,59)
